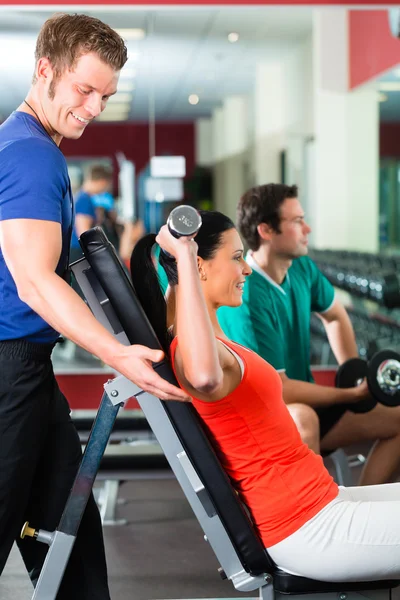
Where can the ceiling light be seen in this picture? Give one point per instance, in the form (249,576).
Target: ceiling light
(120,97)
(193,99)
(233,37)
(131,34)
(396,72)
(389,86)
(382,97)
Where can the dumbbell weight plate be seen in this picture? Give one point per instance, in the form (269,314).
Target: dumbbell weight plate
(348,375)
(384,377)
(184,221)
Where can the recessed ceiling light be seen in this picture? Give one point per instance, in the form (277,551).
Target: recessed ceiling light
(233,37)
(193,99)
(382,97)
(131,34)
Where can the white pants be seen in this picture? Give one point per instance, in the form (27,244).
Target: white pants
(356,537)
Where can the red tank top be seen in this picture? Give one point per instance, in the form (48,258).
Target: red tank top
(280,480)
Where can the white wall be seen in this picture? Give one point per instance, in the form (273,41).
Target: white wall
(204,155)
(346,144)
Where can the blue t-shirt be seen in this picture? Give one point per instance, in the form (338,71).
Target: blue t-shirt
(104,200)
(83,206)
(34,184)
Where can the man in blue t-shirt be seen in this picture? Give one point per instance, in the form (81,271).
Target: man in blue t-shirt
(274,320)
(97,180)
(78,60)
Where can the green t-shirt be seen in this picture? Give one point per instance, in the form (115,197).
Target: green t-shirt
(162,276)
(274,320)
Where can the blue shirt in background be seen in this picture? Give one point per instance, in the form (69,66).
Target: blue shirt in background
(83,206)
(104,200)
(34,184)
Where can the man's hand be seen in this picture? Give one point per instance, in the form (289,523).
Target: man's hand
(135,363)
(360,392)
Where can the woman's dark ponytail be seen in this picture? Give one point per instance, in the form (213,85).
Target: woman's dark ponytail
(148,290)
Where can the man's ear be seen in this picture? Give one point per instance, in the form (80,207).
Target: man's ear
(202,271)
(44,69)
(264,231)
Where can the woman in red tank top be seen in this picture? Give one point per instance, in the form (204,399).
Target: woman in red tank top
(297,508)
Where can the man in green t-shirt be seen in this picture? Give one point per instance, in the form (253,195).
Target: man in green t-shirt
(274,321)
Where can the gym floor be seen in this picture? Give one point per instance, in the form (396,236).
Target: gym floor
(160,554)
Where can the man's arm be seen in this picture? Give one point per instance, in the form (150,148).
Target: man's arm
(342,340)
(82,223)
(259,335)
(31,250)
(317,396)
(340,332)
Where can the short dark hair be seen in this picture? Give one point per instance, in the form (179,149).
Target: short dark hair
(98,172)
(64,38)
(261,204)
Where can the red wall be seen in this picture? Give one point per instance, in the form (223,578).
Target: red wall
(105,139)
(84,391)
(372,47)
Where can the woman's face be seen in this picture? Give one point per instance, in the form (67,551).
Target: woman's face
(223,277)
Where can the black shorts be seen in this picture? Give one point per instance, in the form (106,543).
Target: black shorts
(328,417)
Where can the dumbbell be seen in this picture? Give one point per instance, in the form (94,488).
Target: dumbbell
(383,376)
(350,374)
(183,221)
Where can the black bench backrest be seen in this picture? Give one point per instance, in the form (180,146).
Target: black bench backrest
(117,286)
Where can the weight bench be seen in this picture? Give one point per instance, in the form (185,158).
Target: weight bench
(225,522)
(132,453)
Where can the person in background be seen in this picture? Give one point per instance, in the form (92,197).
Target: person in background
(97,180)
(132,231)
(274,321)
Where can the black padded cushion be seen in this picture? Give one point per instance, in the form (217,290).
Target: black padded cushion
(292,584)
(117,286)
